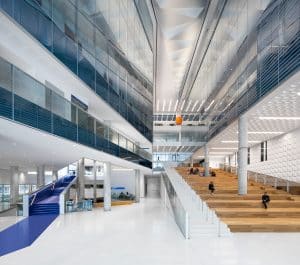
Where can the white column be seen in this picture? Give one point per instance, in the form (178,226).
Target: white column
(95,180)
(242,154)
(80,179)
(54,175)
(142,186)
(14,184)
(206,161)
(40,176)
(137,185)
(107,186)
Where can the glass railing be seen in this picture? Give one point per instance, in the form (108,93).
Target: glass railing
(181,216)
(25,100)
(65,31)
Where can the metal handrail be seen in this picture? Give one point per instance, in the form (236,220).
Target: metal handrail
(264,178)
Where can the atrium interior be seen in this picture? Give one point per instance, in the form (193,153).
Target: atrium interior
(149,132)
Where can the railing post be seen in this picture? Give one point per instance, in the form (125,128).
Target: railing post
(25,205)
(287,186)
(62,203)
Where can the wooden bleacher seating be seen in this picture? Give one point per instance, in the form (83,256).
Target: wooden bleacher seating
(245,213)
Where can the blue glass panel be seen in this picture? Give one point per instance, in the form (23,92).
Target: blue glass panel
(64,128)
(5,103)
(86,67)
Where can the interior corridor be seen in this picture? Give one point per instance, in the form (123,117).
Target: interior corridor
(145,233)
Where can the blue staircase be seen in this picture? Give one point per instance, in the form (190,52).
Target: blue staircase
(46,200)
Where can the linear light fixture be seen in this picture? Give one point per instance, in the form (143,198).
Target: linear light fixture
(279,118)
(176,104)
(230,142)
(210,105)
(195,105)
(182,104)
(170,104)
(157,105)
(224,148)
(220,153)
(263,132)
(32,173)
(164,105)
(187,108)
(200,106)
(48,173)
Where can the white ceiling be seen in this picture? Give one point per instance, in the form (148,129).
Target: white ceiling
(283,102)
(179,24)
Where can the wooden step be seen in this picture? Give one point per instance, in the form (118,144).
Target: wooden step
(263,224)
(251,204)
(257,212)
(244,197)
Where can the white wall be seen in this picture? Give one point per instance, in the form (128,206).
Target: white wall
(23,178)
(215,161)
(124,179)
(283,157)
(153,186)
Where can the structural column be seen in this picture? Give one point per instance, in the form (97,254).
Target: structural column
(40,176)
(54,175)
(81,179)
(107,186)
(14,184)
(242,154)
(137,186)
(95,180)
(206,161)
(142,186)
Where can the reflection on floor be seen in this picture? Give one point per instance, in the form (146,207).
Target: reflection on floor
(24,233)
(145,234)
(6,221)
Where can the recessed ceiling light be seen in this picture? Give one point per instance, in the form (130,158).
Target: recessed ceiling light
(263,132)
(231,141)
(31,172)
(293,85)
(279,118)
(224,148)
(298,93)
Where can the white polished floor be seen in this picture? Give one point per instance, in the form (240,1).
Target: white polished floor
(143,234)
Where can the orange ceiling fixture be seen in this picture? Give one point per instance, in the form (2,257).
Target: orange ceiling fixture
(178,120)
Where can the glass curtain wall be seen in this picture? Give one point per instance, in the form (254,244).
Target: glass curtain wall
(101,41)
(264,40)
(29,102)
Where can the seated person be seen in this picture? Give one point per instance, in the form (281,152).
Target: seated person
(265,199)
(211,187)
(213,173)
(196,171)
(191,171)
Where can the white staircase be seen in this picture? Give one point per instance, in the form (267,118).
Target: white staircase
(203,221)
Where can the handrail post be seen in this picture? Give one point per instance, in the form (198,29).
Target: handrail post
(25,205)
(287,186)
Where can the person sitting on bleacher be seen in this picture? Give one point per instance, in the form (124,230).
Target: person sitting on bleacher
(191,171)
(265,199)
(211,187)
